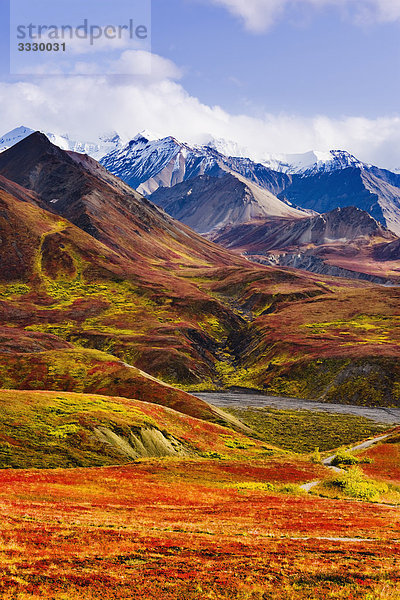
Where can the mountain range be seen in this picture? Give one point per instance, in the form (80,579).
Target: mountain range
(209,191)
(103,292)
(337,180)
(147,164)
(310,163)
(207,203)
(81,296)
(104,145)
(315,181)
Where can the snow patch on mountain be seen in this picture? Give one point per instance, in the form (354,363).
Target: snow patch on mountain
(96,150)
(147,164)
(147,134)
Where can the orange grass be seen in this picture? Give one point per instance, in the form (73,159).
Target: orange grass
(181,530)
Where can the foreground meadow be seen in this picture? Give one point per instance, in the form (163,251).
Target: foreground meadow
(192,529)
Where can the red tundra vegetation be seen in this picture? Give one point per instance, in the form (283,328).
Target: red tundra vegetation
(177,529)
(384,459)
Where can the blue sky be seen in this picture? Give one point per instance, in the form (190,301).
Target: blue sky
(318,74)
(308,62)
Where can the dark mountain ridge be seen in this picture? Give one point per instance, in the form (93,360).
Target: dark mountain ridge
(373,190)
(82,191)
(344,242)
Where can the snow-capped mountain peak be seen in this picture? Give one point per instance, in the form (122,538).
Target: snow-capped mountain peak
(14,136)
(112,137)
(96,149)
(154,162)
(313,162)
(148,135)
(298,181)
(341,159)
(147,165)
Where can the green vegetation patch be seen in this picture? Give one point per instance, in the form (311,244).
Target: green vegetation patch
(365,390)
(252,487)
(376,329)
(14,290)
(355,484)
(74,405)
(255,486)
(231,442)
(45,430)
(345,458)
(303,430)
(298,378)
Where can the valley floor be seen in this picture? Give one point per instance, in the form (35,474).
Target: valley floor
(189,530)
(249,398)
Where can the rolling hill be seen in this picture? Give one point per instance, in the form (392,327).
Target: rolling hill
(63,429)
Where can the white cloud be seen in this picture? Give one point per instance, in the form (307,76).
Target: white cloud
(131,62)
(141,62)
(151,67)
(86,107)
(260,15)
(386,10)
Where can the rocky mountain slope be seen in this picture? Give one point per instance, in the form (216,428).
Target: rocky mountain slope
(207,203)
(82,191)
(345,225)
(373,190)
(147,164)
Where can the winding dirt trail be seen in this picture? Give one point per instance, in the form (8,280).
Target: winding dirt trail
(329,460)
(253,399)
